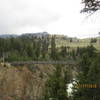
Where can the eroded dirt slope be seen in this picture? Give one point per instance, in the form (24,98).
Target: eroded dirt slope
(23,82)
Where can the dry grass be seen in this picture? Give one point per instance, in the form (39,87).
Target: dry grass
(79,43)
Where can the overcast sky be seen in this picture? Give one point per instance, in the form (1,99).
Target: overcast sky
(53,16)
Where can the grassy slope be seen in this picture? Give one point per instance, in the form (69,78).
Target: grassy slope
(80,43)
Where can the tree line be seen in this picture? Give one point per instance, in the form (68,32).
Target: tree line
(26,49)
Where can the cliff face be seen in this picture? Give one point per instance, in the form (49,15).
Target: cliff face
(23,82)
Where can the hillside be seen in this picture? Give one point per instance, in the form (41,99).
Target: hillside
(33,82)
(78,42)
(28,35)
(23,82)
(61,40)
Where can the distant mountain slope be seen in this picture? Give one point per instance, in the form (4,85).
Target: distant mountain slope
(29,35)
(8,36)
(38,35)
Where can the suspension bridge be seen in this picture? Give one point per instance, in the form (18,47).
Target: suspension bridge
(43,62)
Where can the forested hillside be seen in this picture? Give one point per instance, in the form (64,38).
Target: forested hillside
(42,46)
(30,47)
(45,82)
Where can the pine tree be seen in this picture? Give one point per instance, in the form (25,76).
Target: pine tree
(56,85)
(89,73)
(53,48)
(63,51)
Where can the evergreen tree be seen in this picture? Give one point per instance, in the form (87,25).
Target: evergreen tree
(44,50)
(38,49)
(56,85)
(63,51)
(53,48)
(89,73)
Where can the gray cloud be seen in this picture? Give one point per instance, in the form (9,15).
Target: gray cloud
(16,14)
